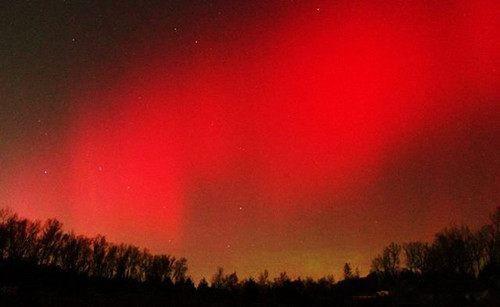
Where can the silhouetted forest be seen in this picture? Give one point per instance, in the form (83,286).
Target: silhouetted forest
(40,264)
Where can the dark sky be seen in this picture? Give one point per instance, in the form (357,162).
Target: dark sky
(279,135)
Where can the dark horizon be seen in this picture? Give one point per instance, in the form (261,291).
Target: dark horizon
(41,264)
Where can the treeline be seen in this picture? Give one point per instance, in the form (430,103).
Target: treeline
(459,266)
(47,245)
(456,252)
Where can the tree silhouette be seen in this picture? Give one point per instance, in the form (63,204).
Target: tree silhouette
(263,279)
(452,252)
(99,249)
(417,254)
(203,284)
(348,274)
(456,261)
(179,269)
(50,242)
(231,281)
(218,279)
(158,268)
(282,280)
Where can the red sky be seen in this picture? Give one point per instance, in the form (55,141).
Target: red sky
(286,136)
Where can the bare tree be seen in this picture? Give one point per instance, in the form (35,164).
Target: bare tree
(179,270)
(282,279)
(218,279)
(348,274)
(263,279)
(417,256)
(99,250)
(50,242)
(159,269)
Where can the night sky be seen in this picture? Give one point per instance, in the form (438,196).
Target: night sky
(282,135)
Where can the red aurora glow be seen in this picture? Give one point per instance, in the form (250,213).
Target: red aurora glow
(290,121)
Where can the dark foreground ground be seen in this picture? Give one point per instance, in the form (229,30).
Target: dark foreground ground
(29,285)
